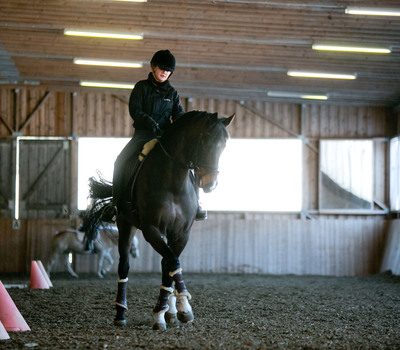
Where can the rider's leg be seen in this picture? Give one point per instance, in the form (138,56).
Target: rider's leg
(128,154)
(201,214)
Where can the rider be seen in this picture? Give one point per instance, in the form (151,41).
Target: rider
(153,104)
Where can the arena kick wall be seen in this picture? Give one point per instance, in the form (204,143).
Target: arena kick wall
(309,242)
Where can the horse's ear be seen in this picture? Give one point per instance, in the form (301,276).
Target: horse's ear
(227,121)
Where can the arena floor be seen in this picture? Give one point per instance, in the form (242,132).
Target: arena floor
(231,312)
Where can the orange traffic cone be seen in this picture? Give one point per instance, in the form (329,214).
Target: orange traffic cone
(44,273)
(10,316)
(3,333)
(37,279)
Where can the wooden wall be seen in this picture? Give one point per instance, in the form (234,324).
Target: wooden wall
(39,112)
(310,243)
(391,257)
(318,247)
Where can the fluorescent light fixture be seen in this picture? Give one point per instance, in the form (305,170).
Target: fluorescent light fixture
(325,47)
(321,75)
(108,63)
(103,84)
(297,95)
(371,11)
(315,97)
(101,34)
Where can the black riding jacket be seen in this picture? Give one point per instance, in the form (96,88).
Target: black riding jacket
(152,104)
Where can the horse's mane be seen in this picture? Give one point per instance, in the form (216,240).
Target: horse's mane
(191,118)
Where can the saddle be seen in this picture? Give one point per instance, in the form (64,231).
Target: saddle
(148,146)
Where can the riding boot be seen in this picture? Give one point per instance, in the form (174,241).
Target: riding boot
(201,214)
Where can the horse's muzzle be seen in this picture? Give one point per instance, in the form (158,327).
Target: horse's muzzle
(208,182)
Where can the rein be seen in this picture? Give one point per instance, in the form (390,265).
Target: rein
(190,164)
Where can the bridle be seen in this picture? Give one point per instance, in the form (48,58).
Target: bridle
(199,169)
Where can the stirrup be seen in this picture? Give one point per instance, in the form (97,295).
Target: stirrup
(200,214)
(109,213)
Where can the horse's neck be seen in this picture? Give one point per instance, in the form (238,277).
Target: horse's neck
(178,146)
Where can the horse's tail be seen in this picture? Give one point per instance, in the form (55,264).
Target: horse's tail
(102,209)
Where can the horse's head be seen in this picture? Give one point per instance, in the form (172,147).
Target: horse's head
(211,143)
(201,139)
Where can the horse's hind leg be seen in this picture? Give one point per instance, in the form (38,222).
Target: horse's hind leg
(105,255)
(50,263)
(69,267)
(110,260)
(125,235)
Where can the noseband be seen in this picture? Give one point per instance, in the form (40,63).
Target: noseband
(195,165)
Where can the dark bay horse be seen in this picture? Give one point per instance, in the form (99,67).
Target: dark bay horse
(161,201)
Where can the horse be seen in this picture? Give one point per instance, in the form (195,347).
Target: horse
(71,241)
(161,200)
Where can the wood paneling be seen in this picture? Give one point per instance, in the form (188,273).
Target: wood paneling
(106,114)
(391,258)
(6,177)
(31,242)
(318,247)
(45,182)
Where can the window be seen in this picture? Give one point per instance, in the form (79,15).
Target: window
(255,174)
(96,154)
(258,175)
(346,175)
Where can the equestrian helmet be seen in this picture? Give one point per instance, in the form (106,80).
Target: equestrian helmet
(164,59)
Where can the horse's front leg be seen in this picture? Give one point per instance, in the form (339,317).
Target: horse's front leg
(184,309)
(161,308)
(123,270)
(171,272)
(171,314)
(172,307)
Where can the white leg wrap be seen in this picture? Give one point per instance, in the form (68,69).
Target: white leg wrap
(123,280)
(159,316)
(168,289)
(172,304)
(172,273)
(183,303)
(183,294)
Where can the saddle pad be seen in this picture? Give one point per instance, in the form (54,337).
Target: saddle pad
(147,148)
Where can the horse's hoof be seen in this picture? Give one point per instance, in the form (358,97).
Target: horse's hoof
(159,326)
(120,323)
(171,318)
(185,317)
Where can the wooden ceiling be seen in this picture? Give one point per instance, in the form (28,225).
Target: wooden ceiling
(230,49)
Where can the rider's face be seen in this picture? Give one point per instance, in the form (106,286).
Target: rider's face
(160,75)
